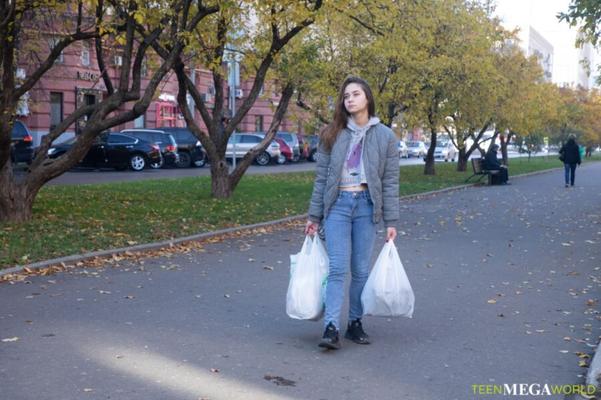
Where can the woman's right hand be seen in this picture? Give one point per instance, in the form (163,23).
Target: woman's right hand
(311,228)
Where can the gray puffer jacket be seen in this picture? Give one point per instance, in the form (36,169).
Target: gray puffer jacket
(381,160)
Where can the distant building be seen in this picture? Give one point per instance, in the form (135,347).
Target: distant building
(540,47)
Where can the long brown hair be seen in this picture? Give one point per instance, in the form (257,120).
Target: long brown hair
(331,132)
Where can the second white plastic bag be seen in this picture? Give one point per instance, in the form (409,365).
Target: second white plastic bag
(308,274)
(387,292)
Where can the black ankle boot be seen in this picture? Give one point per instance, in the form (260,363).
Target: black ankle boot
(355,332)
(331,338)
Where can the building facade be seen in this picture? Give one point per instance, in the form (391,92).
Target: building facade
(75,80)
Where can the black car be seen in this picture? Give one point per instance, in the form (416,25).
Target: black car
(189,149)
(21,143)
(114,150)
(164,140)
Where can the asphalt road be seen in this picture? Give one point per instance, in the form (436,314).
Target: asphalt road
(506,281)
(79,176)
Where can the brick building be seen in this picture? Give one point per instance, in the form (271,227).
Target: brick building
(75,80)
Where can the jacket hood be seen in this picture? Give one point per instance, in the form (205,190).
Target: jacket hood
(355,128)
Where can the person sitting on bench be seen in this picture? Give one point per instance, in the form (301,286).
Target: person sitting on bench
(492,164)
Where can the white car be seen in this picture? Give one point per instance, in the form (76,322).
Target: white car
(445,151)
(403,151)
(416,148)
(243,142)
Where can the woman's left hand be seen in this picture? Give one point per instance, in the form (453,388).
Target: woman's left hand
(390,234)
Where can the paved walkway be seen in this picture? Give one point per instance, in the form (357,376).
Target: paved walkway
(507,291)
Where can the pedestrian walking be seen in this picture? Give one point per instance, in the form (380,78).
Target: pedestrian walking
(570,155)
(356,186)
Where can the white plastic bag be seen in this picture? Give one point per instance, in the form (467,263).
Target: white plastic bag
(308,274)
(387,292)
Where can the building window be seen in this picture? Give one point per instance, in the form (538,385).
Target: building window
(259,123)
(52,42)
(56,109)
(139,122)
(85,53)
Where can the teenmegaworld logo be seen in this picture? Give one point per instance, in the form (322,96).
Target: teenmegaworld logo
(532,389)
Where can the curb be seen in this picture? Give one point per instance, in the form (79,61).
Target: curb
(201,236)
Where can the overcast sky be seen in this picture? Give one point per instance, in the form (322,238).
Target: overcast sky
(542,16)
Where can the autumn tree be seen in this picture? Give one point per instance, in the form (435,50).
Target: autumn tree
(257,32)
(109,25)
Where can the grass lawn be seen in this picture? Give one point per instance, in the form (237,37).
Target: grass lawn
(75,219)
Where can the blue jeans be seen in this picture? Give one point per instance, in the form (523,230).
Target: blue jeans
(350,235)
(570,173)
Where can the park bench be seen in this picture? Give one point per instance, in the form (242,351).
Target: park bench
(479,171)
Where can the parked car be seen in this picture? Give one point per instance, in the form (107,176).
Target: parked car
(292,141)
(403,151)
(446,151)
(285,150)
(21,143)
(416,148)
(313,142)
(114,150)
(190,151)
(243,142)
(165,141)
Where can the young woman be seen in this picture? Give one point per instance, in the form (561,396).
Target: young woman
(356,186)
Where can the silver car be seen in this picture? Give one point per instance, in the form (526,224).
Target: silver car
(242,143)
(403,150)
(416,148)
(445,150)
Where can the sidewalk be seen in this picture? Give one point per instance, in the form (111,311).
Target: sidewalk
(507,289)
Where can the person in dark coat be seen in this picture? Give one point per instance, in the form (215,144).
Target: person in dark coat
(491,163)
(570,155)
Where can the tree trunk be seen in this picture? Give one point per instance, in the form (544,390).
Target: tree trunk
(16,199)
(462,159)
(429,168)
(504,149)
(220,179)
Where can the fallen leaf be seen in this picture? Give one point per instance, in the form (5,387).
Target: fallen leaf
(12,339)
(491,301)
(278,380)
(215,370)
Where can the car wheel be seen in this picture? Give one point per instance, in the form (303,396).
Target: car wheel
(281,160)
(137,162)
(313,156)
(184,160)
(263,159)
(157,165)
